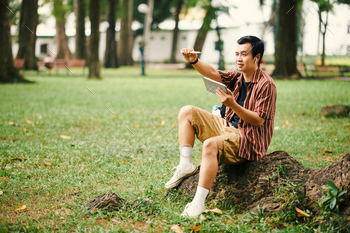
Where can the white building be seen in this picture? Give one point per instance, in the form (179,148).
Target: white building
(243,20)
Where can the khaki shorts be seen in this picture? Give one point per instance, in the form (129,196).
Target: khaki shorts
(207,125)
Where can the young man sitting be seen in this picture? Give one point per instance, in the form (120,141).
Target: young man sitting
(245,131)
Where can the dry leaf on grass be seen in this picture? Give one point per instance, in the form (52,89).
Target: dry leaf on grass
(327,151)
(47,164)
(163,122)
(122,162)
(215,211)
(10,123)
(19,159)
(301,213)
(196,228)
(1,192)
(4,178)
(176,228)
(66,137)
(201,217)
(137,126)
(21,207)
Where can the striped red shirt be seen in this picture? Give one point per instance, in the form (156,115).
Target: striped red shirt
(261,98)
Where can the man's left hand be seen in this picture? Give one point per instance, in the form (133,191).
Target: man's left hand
(226,98)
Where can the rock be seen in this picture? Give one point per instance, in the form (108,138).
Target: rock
(335,111)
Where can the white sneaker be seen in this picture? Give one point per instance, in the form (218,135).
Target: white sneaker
(193,210)
(179,175)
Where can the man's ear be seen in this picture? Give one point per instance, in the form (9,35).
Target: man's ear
(257,58)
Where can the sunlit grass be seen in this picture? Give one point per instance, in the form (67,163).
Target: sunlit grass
(137,117)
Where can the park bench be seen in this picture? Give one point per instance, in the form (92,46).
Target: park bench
(327,69)
(301,67)
(77,63)
(61,64)
(344,69)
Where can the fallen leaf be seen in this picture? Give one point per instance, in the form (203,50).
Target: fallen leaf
(25,130)
(301,213)
(1,192)
(10,123)
(196,228)
(276,128)
(115,220)
(287,122)
(176,228)
(122,162)
(159,137)
(163,122)
(46,147)
(215,211)
(4,178)
(116,117)
(19,159)
(66,137)
(173,124)
(47,164)
(327,151)
(313,109)
(137,126)
(30,122)
(318,128)
(201,217)
(323,118)
(21,207)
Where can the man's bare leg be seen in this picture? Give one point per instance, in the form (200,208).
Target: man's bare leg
(209,164)
(186,131)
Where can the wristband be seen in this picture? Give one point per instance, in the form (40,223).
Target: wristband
(193,63)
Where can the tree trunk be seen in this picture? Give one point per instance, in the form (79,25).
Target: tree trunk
(111,45)
(203,31)
(94,63)
(80,37)
(324,41)
(286,44)
(147,30)
(179,4)
(126,40)
(8,72)
(63,51)
(27,33)
(259,182)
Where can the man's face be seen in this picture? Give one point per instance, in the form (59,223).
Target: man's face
(244,58)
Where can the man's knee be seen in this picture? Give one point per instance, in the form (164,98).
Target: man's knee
(210,147)
(185,112)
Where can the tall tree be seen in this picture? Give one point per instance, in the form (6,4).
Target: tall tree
(323,6)
(27,33)
(126,40)
(286,41)
(94,62)
(203,31)
(60,11)
(111,46)
(179,4)
(80,37)
(8,72)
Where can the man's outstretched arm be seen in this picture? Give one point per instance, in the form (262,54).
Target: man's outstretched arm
(202,67)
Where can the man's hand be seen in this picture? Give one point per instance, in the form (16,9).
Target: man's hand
(227,99)
(190,57)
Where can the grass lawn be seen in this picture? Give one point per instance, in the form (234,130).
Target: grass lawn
(66,139)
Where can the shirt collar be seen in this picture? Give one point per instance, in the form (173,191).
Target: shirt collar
(256,75)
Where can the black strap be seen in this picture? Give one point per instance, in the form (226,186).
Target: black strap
(232,85)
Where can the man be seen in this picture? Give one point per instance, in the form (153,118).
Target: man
(245,131)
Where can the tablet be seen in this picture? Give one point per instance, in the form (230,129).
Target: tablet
(212,85)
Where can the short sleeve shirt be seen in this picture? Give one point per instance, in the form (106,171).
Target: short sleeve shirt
(261,98)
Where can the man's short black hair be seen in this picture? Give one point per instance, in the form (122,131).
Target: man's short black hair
(257,45)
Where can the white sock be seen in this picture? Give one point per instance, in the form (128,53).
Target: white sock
(200,195)
(185,157)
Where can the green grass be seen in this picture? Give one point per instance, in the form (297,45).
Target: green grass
(129,152)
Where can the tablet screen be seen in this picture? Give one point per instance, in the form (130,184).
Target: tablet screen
(212,85)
